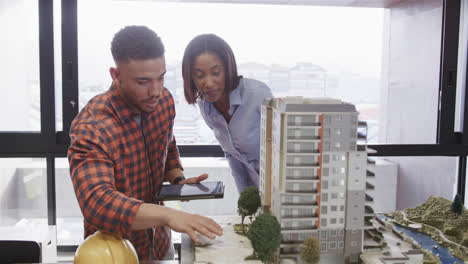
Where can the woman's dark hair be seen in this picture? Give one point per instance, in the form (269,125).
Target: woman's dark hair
(208,43)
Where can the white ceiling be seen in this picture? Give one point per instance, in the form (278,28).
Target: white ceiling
(349,3)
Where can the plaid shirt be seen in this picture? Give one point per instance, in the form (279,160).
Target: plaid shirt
(117,163)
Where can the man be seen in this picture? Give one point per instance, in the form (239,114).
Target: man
(122,149)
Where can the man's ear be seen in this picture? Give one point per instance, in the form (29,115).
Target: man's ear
(114,72)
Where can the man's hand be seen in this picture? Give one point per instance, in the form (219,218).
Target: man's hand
(195,179)
(151,215)
(191,223)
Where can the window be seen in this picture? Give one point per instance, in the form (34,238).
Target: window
(323,247)
(94,78)
(334,196)
(324,197)
(332,221)
(70,219)
(324,185)
(340,244)
(326,159)
(20,102)
(323,234)
(325,172)
(301,71)
(333,208)
(332,245)
(23,190)
(323,210)
(334,183)
(323,222)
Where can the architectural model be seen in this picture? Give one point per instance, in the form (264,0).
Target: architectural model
(313,170)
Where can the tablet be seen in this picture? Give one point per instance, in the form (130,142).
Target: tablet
(191,191)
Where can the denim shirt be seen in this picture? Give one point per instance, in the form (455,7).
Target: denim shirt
(240,139)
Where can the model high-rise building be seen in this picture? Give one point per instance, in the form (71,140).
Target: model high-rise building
(313,175)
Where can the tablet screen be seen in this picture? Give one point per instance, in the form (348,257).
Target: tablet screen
(203,190)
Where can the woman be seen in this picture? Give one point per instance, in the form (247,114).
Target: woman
(229,104)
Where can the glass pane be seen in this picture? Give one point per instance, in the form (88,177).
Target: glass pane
(410,73)
(58,63)
(402,182)
(20,75)
(310,60)
(23,203)
(69,217)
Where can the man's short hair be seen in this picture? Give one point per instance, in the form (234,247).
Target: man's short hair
(137,43)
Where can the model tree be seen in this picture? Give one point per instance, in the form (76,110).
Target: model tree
(310,252)
(265,235)
(248,203)
(457,205)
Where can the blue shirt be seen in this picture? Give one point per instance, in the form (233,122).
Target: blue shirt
(240,139)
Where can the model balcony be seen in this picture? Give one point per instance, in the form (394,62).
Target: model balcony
(301,187)
(302,133)
(302,179)
(304,214)
(313,191)
(299,217)
(287,204)
(303,121)
(369,186)
(299,206)
(361,136)
(302,172)
(299,225)
(368,210)
(295,236)
(299,199)
(368,198)
(292,251)
(302,159)
(367,222)
(361,147)
(303,147)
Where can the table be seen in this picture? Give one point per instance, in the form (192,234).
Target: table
(228,248)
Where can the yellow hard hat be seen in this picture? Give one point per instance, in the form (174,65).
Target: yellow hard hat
(105,248)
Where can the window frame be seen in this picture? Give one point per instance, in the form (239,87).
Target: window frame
(51,144)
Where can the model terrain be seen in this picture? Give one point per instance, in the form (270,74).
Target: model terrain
(437,220)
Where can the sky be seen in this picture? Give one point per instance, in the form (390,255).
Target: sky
(337,38)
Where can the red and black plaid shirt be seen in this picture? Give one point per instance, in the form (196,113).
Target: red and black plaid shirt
(116,165)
